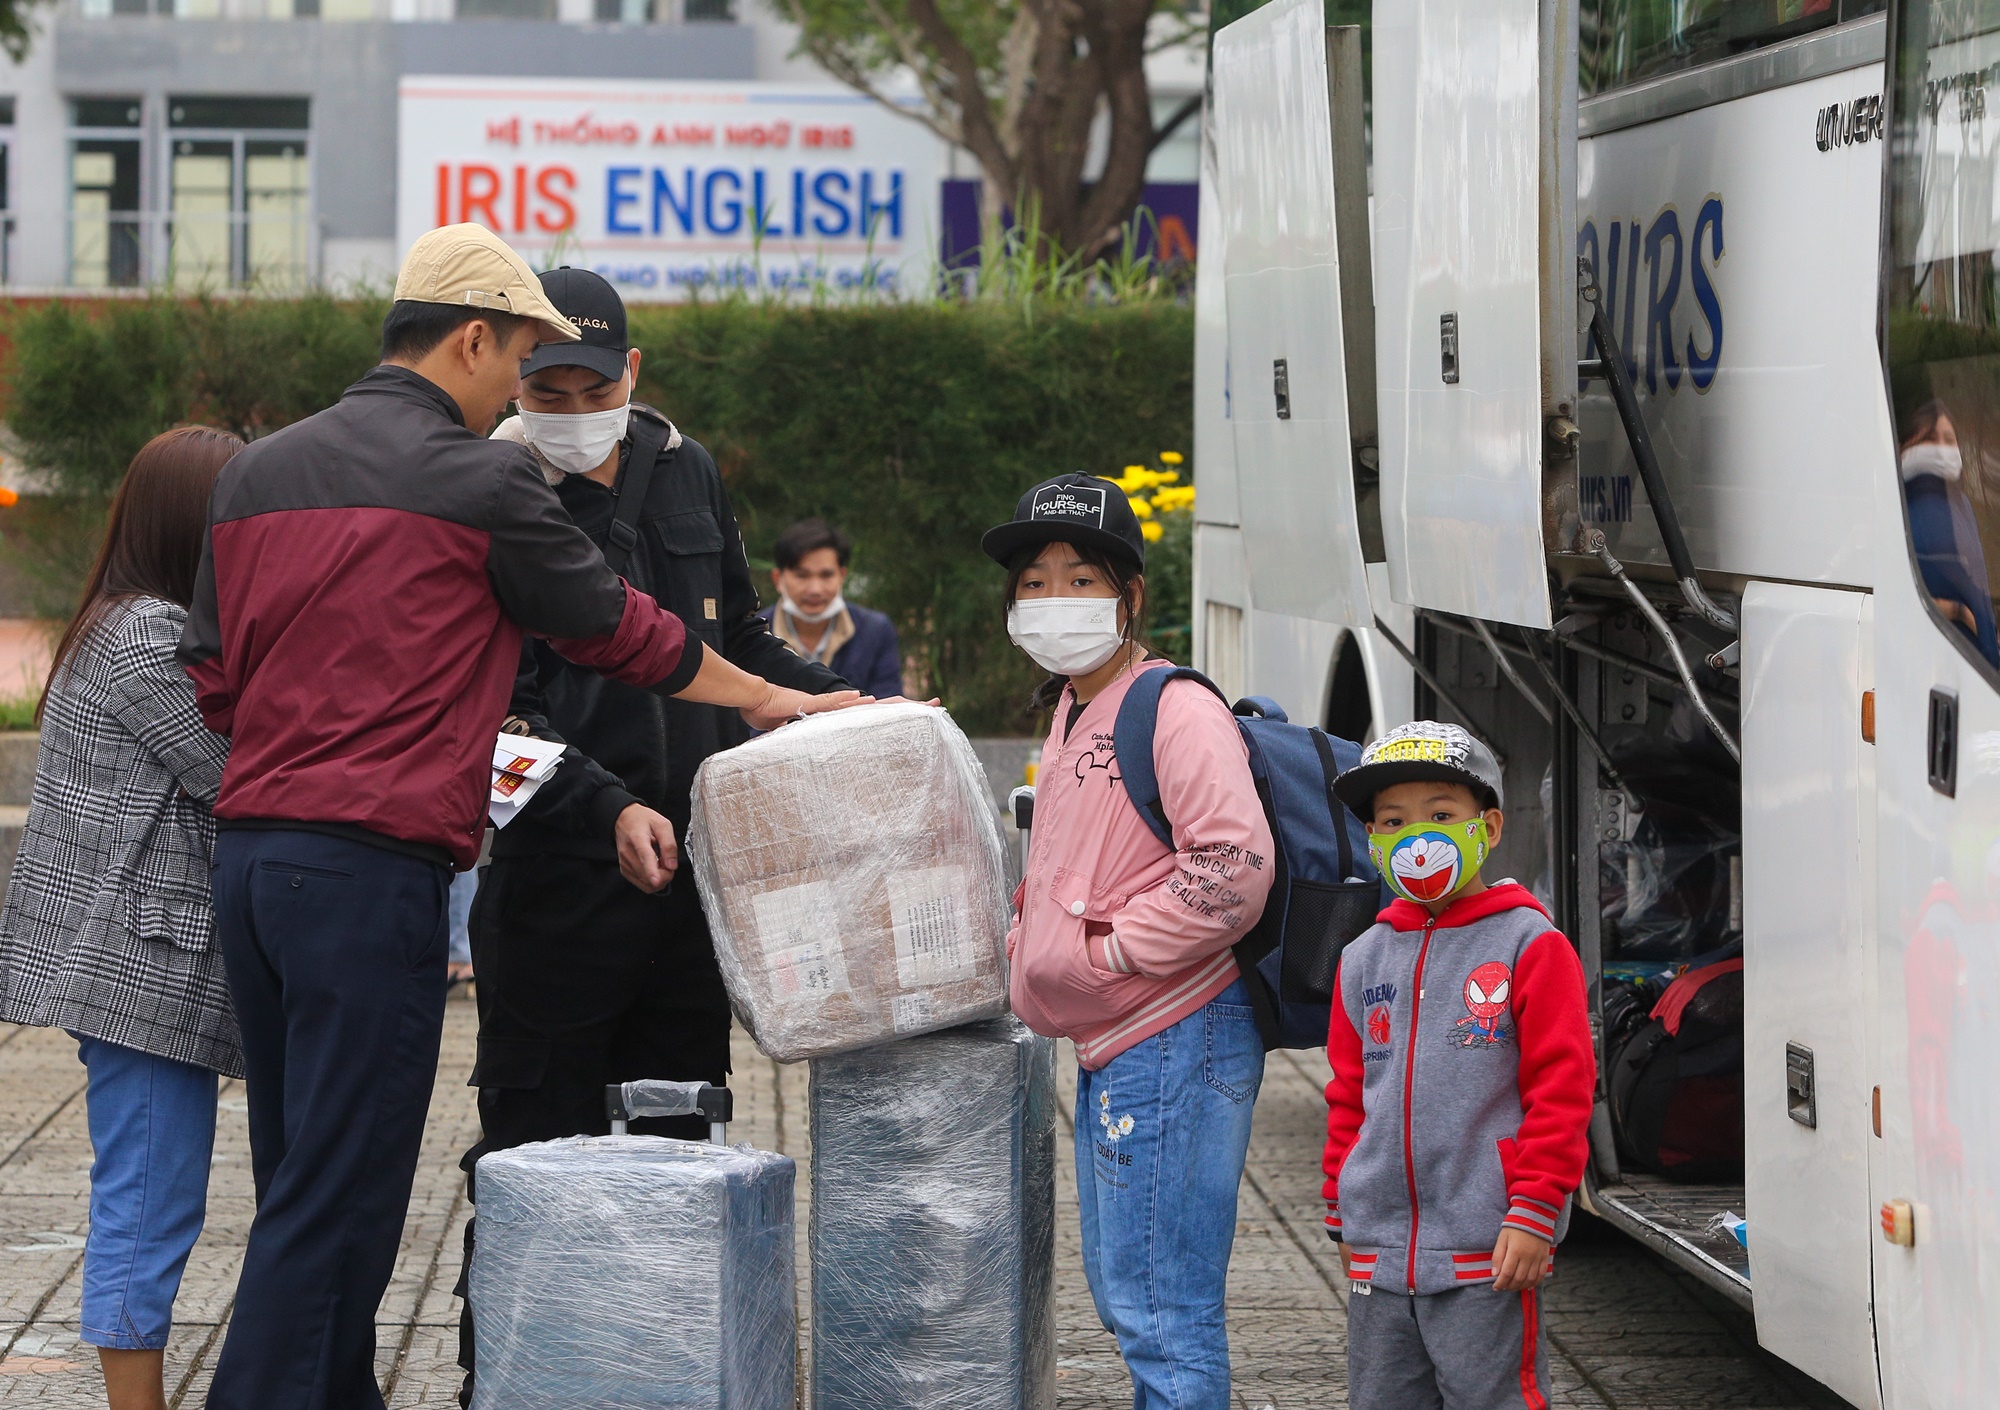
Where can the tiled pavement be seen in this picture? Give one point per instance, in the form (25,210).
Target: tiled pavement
(1625,1331)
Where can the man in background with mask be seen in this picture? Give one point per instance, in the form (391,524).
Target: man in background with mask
(813,616)
(592,967)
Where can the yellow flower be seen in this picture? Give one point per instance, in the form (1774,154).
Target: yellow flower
(1175,498)
(1171,457)
(1137,479)
(1151,531)
(1141,508)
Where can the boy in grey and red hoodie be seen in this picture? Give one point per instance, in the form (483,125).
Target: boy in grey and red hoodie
(1462,1084)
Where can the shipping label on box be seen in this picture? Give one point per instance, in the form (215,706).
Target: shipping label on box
(934,942)
(801,933)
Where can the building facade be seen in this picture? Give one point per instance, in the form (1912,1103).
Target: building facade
(253,144)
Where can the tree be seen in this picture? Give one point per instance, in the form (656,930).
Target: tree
(15,30)
(1020,84)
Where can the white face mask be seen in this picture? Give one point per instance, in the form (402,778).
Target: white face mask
(825,614)
(1066,636)
(1933,459)
(576,445)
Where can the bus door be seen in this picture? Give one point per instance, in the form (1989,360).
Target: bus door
(1474,189)
(1288,375)
(1937,716)
(1808,817)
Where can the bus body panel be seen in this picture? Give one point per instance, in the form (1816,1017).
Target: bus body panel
(1738,263)
(1807,1003)
(1458,170)
(1221,607)
(1288,409)
(1214,446)
(1938,993)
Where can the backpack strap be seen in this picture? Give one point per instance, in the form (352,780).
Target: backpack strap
(1335,809)
(1132,741)
(1263,707)
(649,437)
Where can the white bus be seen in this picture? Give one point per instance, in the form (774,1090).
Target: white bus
(1756,711)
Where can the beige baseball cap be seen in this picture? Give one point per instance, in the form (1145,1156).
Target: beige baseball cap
(469,264)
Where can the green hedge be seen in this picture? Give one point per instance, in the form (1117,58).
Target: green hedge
(914,427)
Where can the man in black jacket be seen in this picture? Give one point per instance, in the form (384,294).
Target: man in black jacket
(594,965)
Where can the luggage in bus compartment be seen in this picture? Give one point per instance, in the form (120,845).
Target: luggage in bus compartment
(933,1223)
(855,879)
(634,1272)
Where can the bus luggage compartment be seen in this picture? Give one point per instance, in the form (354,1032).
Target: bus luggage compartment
(1640,859)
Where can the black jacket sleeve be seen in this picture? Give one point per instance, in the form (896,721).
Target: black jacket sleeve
(581,796)
(747,639)
(554,581)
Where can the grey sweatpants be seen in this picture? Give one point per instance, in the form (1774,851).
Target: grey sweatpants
(1468,1349)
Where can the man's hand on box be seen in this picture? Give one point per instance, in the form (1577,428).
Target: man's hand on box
(648,856)
(780,705)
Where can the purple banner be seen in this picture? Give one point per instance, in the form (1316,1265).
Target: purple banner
(1169,233)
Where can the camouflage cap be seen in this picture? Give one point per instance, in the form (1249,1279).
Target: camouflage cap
(1421,749)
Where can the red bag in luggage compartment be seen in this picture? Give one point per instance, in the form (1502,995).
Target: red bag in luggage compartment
(1676,1085)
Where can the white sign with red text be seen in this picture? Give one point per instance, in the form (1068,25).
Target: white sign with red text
(666,187)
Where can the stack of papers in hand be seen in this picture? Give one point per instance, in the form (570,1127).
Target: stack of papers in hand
(520,764)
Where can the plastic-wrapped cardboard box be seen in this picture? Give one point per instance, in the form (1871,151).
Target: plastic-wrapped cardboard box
(854,875)
(634,1272)
(933,1223)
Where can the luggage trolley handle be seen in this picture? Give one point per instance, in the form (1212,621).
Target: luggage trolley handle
(628,1101)
(1021,807)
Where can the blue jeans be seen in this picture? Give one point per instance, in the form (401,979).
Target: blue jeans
(152,1126)
(1161,1134)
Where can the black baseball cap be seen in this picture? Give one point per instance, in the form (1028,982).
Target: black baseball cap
(1079,509)
(588,301)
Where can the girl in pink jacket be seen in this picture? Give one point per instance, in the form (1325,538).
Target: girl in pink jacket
(1123,946)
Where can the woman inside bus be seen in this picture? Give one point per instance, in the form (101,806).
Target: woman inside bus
(1122,944)
(106,929)
(1944,530)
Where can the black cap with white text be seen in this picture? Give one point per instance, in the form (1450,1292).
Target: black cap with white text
(1080,509)
(588,301)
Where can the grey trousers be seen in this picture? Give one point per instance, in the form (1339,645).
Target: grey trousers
(1468,1349)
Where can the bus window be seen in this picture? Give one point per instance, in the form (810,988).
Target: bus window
(1943,307)
(1625,41)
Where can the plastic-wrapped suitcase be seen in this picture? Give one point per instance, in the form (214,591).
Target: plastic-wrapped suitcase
(933,1223)
(635,1272)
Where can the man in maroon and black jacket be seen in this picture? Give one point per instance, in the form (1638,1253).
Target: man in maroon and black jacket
(369,574)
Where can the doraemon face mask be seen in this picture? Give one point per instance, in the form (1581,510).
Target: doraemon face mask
(1426,861)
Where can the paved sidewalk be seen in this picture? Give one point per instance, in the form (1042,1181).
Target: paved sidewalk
(1626,1332)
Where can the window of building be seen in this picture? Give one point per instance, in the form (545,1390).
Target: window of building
(506,9)
(1626,41)
(1943,309)
(105,246)
(239,194)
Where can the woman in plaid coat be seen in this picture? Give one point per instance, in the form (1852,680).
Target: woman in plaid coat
(106,927)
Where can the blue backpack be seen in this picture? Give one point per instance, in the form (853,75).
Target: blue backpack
(1325,891)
